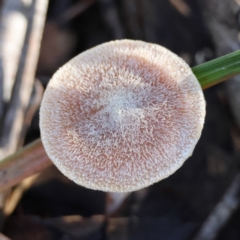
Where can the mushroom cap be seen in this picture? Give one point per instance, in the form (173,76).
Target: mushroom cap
(122,116)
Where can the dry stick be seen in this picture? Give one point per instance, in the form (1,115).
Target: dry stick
(221,213)
(3,237)
(24,163)
(33,16)
(17,193)
(14,119)
(12,24)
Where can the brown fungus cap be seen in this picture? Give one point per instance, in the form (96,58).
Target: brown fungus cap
(122,116)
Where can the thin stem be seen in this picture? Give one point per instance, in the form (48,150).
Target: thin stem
(218,70)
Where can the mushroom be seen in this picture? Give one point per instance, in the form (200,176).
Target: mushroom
(122,116)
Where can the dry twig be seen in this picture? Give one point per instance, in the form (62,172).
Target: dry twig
(24,163)
(15,115)
(13,23)
(221,213)
(22,28)
(17,193)
(2,237)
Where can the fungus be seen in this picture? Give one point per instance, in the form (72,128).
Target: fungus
(122,116)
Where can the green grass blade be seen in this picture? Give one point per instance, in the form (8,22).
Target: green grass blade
(218,70)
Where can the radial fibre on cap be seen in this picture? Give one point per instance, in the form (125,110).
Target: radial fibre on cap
(122,116)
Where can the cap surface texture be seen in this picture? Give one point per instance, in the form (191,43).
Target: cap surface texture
(122,116)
